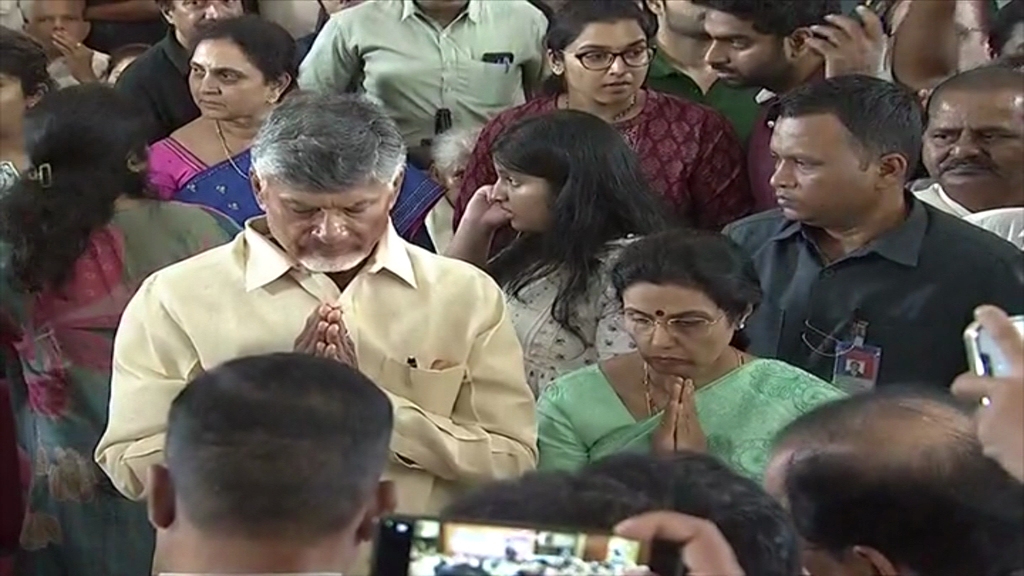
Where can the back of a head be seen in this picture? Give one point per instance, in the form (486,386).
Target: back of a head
(281,446)
(326,142)
(557,499)
(881,117)
(756,526)
(86,147)
(776,17)
(901,472)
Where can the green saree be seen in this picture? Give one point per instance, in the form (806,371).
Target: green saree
(581,418)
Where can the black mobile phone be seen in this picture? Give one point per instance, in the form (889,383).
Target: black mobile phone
(425,546)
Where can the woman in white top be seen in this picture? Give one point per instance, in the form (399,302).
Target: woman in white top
(573,190)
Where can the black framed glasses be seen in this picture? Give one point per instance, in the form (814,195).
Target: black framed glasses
(598,60)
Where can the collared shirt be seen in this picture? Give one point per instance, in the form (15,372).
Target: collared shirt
(62,75)
(916,287)
(415,68)
(1007,223)
(760,165)
(158,81)
(737,104)
(432,332)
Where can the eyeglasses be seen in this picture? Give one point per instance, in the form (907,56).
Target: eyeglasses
(598,60)
(678,328)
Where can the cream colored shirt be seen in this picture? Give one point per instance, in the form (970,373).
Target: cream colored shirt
(455,426)
(414,67)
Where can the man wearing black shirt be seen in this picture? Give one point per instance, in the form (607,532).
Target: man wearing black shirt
(158,80)
(856,272)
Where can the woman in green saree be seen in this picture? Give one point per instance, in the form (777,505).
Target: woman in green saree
(689,386)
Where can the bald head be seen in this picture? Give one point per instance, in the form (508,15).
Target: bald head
(901,473)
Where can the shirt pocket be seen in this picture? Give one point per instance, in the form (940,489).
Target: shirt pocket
(493,84)
(432,390)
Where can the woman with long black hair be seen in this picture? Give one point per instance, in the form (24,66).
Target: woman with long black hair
(79,232)
(574,191)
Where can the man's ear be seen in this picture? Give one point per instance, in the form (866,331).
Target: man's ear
(160,497)
(795,45)
(259,189)
(384,502)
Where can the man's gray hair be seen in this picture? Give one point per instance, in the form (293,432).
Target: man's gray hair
(451,150)
(328,143)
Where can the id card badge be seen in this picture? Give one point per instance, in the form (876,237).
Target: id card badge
(856,368)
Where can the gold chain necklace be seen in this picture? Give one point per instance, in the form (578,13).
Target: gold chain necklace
(651,407)
(227,151)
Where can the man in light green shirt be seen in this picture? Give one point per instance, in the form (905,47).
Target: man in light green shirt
(433,64)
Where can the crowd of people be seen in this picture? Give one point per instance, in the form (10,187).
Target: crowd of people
(697,270)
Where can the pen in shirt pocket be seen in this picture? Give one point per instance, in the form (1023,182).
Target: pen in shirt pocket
(500,58)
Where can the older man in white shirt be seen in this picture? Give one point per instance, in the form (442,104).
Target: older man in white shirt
(60,26)
(973,146)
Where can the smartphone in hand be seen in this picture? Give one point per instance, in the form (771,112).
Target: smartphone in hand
(983,355)
(426,546)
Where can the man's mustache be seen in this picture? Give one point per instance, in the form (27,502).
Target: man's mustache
(976,165)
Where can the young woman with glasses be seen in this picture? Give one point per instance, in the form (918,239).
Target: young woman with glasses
(599,52)
(690,385)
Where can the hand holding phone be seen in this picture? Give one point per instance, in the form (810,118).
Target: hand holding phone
(995,344)
(704,550)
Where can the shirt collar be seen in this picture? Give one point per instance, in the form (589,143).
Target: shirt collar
(765,94)
(901,245)
(660,68)
(175,52)
(472,11)
(266,262)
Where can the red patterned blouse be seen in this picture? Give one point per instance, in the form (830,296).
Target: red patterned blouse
(689,154)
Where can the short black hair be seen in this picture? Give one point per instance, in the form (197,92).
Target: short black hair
(776,17)
(756,526)
(882,117)
(268,46)
(991,77)
(24,59)
(280,445)
(1006,19)
(552,498)
(934,504)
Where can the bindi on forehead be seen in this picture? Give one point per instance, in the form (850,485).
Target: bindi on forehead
(659,313)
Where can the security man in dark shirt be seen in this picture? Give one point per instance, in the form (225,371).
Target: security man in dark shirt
(864,285)
(158,79)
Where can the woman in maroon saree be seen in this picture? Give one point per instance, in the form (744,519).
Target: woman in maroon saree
(600,52)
